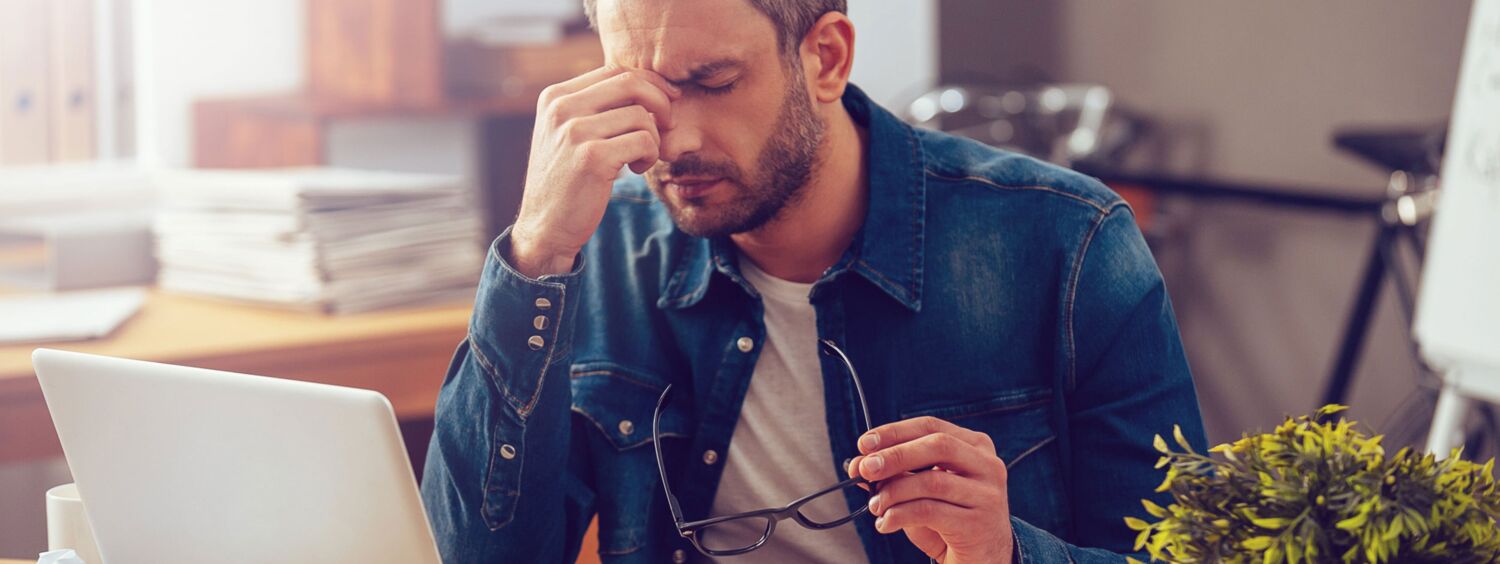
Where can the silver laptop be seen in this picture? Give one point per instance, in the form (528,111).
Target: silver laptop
(179,464)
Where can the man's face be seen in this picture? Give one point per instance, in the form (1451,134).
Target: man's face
(745,137)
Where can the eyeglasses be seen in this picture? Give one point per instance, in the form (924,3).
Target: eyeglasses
(740,533)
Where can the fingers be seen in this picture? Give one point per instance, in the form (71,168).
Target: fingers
(639,149)
(578,82)
(941,484)
(660,82)
(923,513)
(892,434)
(935,450)
(937,485)
(627,88)
(612,123)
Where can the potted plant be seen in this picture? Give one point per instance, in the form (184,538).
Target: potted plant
(1315,490)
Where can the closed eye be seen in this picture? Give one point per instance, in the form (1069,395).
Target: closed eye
(718,90)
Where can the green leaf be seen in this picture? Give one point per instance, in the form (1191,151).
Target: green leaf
(1330,409)
(1354,522)
(1273,523)
(1181,440)
(1165,484)
(1257,543)
(1272,555)
(1140,540)
(1155,510)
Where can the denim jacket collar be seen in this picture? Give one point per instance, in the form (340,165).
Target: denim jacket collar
(887,250)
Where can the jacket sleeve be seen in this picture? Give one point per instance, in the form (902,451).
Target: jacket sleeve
(1129,381)
(504,481)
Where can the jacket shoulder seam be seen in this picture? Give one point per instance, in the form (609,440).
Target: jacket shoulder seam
(1072,295)
(1096,206)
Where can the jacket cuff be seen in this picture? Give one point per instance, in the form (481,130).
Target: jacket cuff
(1036,546)
(522,325)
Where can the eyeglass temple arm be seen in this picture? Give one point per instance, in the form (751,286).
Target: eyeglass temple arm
(859,388)
(661,464)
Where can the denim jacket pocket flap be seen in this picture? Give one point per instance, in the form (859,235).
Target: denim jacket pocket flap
(1017,420)
(621,402)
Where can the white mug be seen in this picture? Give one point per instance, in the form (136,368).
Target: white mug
(67,526)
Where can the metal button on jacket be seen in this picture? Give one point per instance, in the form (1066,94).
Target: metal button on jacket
(543,304)
(626,427)
(710,456)
(536,342)
(746,344)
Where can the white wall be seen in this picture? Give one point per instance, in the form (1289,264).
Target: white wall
(192,49)
(895,48)
(1254,89)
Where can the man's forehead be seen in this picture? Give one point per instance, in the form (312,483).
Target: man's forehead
(677,37)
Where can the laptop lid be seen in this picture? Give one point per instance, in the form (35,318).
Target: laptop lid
(179,464)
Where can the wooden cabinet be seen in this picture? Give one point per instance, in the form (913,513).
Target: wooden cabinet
(387,52)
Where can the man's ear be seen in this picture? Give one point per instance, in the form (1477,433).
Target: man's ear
(828,55)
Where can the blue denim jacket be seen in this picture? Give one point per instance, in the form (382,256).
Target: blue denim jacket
(986,288)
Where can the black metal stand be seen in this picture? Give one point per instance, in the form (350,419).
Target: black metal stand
(1410,196)
(1384,260)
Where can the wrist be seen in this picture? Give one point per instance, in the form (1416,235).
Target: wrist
(535,260)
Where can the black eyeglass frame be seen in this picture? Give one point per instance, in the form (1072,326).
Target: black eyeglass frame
(690,530)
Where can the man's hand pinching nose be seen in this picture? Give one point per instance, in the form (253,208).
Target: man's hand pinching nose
(587,128)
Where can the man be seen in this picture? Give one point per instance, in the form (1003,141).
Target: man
(1012,338)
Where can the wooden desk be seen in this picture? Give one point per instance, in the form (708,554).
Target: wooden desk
(402,354)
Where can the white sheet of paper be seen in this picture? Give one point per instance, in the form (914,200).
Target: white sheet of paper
(64,556)
(67,316)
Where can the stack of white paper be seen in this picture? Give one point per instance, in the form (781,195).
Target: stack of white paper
(336,240)
(66,316)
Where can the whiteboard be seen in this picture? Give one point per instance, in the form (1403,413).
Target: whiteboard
(1458,308)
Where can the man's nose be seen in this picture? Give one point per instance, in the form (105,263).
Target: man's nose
(684,138)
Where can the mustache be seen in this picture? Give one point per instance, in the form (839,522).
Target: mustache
(695,167)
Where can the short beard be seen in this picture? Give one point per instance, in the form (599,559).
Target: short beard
(782,171)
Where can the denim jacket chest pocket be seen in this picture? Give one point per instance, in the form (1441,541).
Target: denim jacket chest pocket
(1019,423)
(619,402)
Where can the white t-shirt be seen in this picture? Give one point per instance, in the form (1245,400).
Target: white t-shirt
(780,451)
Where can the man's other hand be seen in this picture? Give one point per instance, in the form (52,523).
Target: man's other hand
(941,484)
